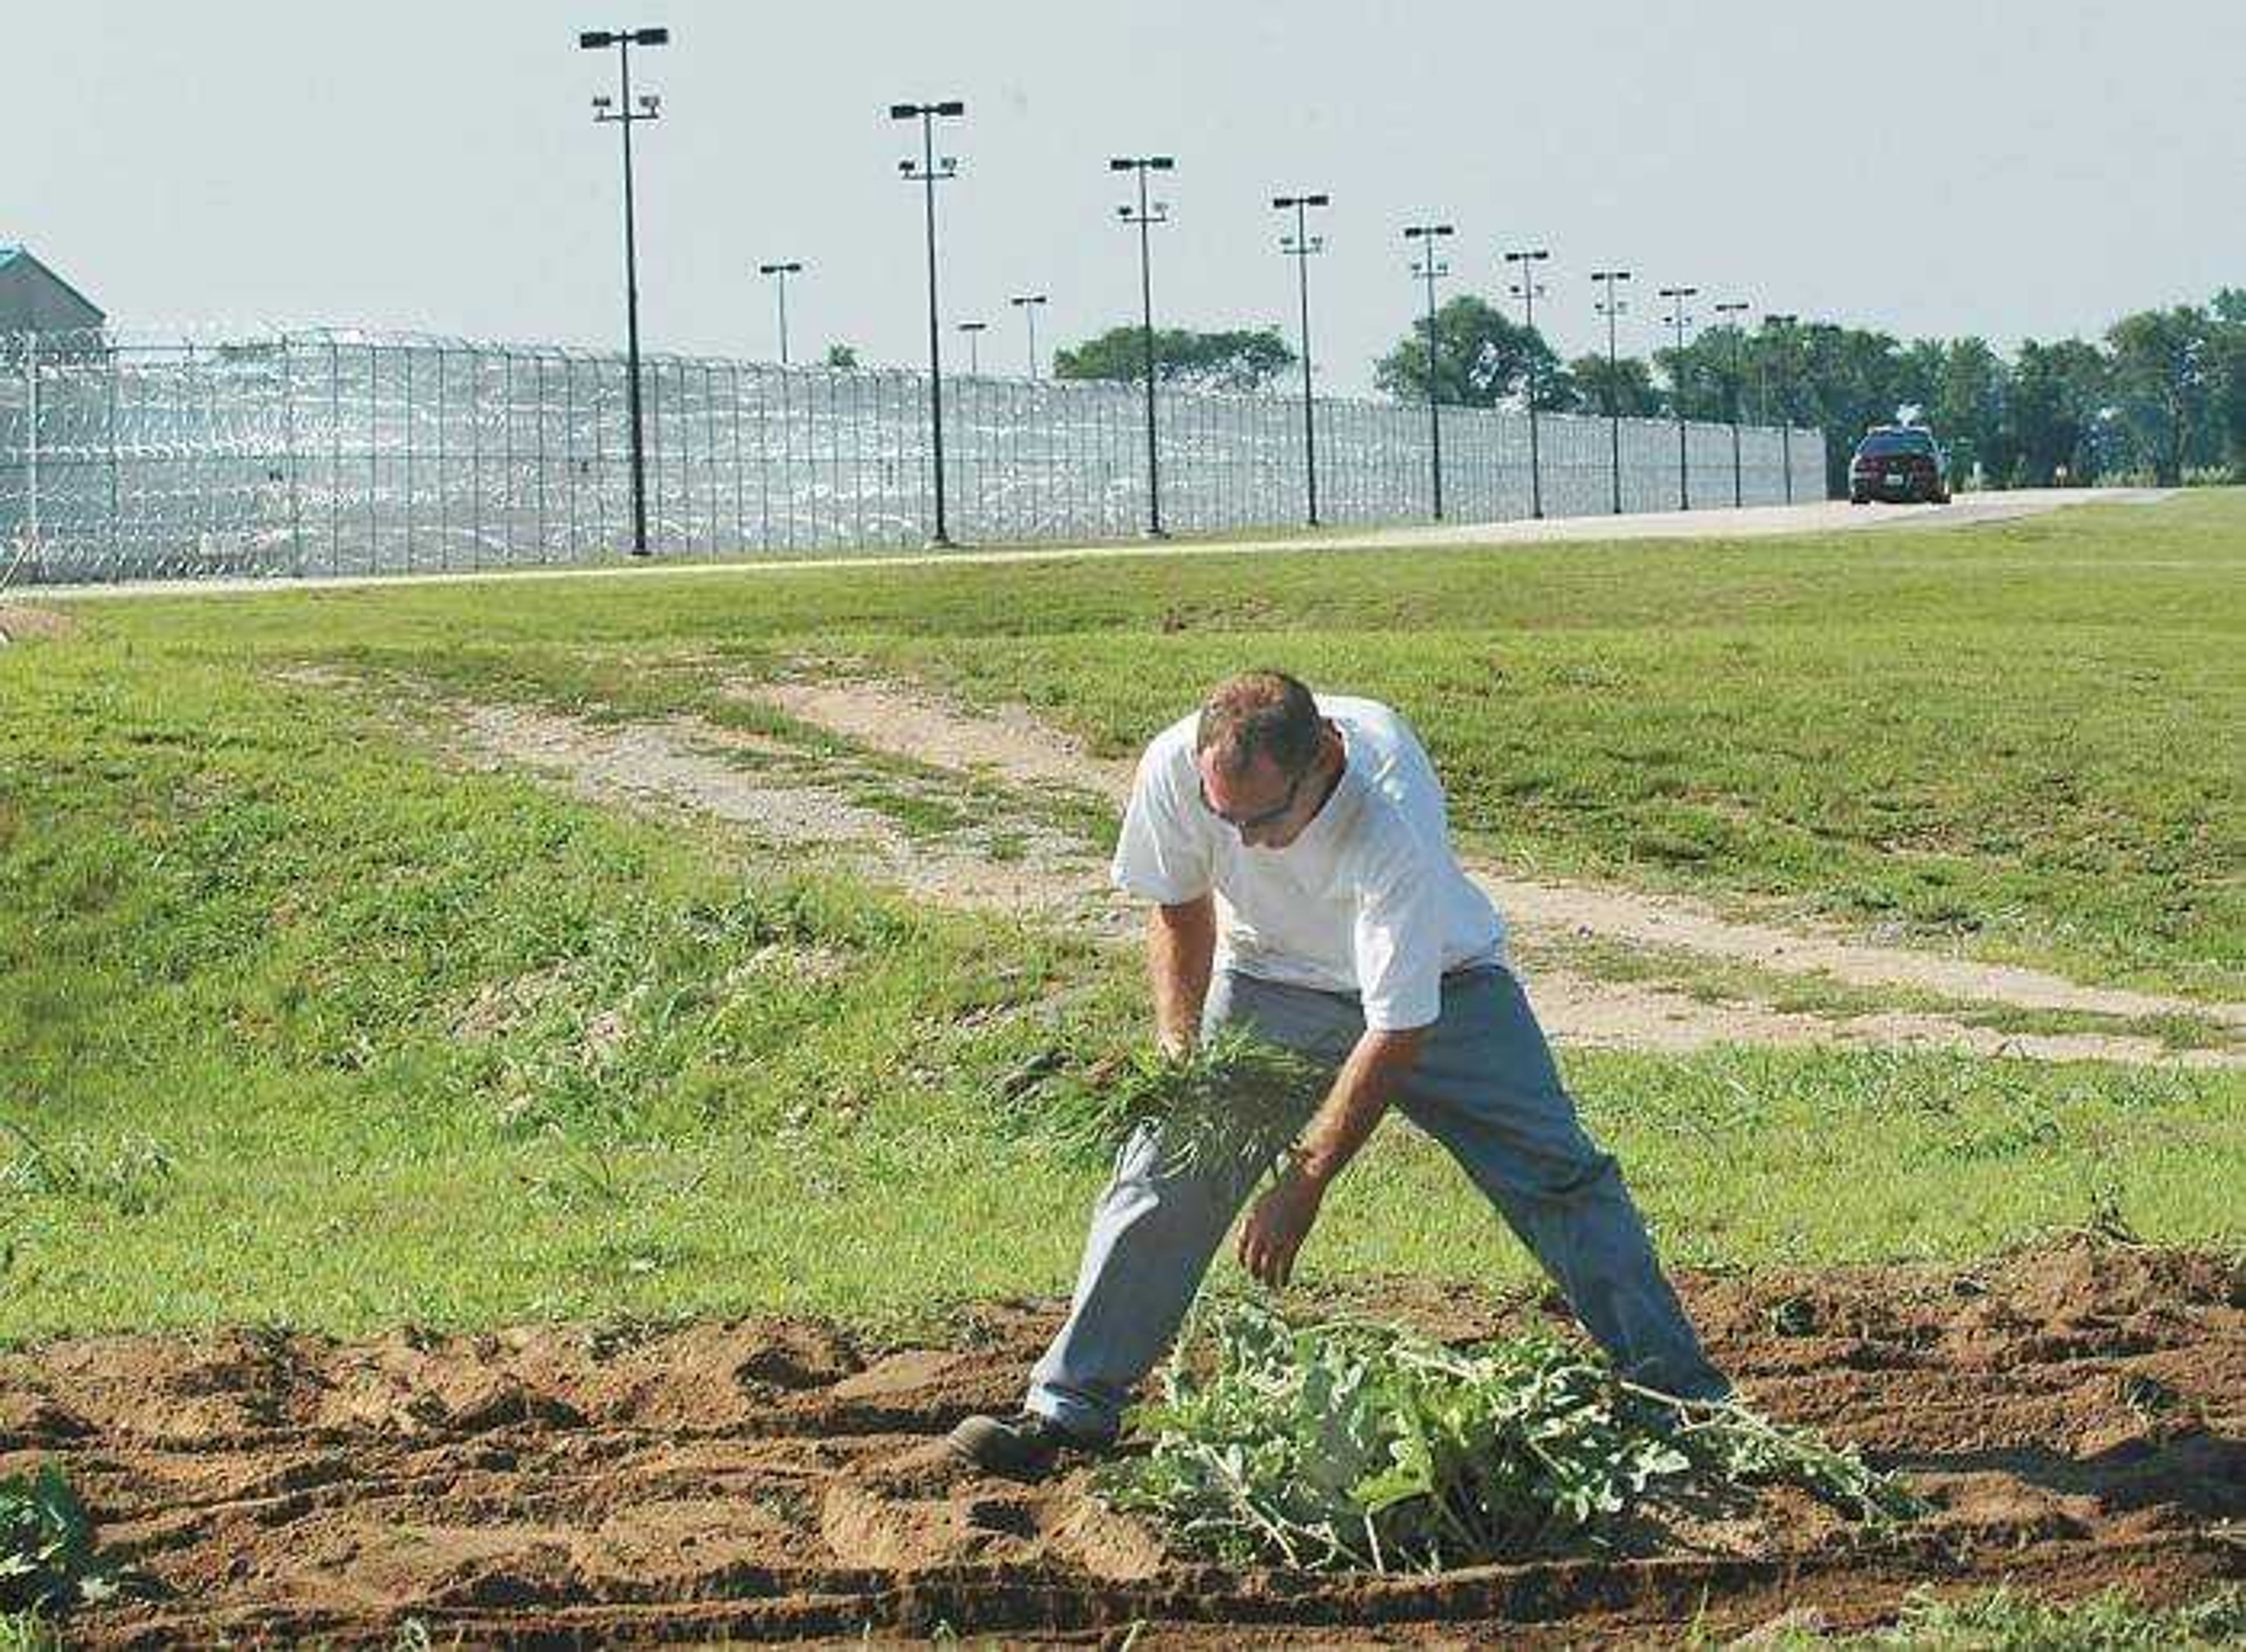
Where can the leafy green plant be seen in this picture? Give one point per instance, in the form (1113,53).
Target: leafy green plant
(1349,1445)
(46,1544)
(1235,1101)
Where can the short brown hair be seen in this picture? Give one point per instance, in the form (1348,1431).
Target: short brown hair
(1260,711)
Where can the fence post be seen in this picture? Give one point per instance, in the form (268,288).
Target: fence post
(406,350)
(109,386)
(444,498)
(569,445)
(373,461)
(335,457)
(599,458)
(740,513)
(289,457)
(538,452)
(475,458)
(31,437)
(506,454)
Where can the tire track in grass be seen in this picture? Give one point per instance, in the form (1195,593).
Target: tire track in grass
(796,800)
(1012,742)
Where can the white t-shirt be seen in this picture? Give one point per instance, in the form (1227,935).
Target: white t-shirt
(1368,900)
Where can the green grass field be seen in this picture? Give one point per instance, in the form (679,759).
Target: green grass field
(303,1022)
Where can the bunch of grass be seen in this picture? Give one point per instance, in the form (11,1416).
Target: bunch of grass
(1235,1101)
(1354,1446)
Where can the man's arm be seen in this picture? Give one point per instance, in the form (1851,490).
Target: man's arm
(1180,952)
(1362,1091)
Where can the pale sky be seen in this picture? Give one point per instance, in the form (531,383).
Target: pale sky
(1970,166)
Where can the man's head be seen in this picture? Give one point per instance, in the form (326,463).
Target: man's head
(1264,755)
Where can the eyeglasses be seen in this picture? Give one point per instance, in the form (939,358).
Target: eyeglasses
(1271,816)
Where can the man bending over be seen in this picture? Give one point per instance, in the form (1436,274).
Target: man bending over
(1296,850)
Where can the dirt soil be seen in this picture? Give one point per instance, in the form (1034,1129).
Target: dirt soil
(19,624)
(2076,1413)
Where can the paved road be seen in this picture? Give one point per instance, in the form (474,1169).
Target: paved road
(1819,517)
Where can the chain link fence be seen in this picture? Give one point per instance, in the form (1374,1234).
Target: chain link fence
(335,452)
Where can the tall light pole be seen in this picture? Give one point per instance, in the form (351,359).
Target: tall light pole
(929,172)
(1610,307)
(975,330)
(1680,321)
(1786,324)
(1029,304)
(1528,291)
(1301,247)
(780,273)
(1147,216)
(626,114)
(1730,308)
(1427,270)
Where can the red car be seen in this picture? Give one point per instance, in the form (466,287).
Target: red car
(1897,462)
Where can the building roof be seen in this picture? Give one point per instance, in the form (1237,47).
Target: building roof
(19,269)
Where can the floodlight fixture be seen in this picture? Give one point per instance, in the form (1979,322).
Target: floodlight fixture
(1785,403)
(1528,291)
(780,270)
(1610,307)
(1680,321)
(1149,213)
(1728,307)
(1428,268)
(929,173)
(975,330)
(1301,247)
(623,111)
(1029,304)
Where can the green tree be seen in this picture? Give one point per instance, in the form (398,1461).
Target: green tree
(1241,359)
(1852,380)
(840,356)
(1969,411)
(2057,392)
(2228,331)
(1483,358)
(1625,388)
(2161,374)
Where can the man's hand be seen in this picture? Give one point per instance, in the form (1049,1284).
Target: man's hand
(1280,1220)
(1276,1226)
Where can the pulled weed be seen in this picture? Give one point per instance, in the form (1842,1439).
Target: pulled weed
(1235,1100)
(1344,1446)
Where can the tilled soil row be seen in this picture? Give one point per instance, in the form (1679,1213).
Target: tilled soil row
(2076,1414)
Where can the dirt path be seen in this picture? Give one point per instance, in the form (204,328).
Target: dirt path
(1014,745)
(723,773)
(20,623)
(782,799)
(2075,1415)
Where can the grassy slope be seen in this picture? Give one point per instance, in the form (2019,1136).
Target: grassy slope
(2009,737)
(298,1024)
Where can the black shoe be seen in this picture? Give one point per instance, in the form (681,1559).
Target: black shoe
(1023,1446)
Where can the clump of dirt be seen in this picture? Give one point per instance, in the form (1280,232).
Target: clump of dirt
(2075,1413)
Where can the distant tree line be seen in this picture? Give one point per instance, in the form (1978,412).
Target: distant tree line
(2161,397)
